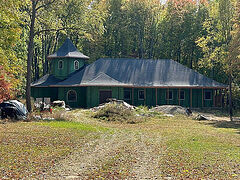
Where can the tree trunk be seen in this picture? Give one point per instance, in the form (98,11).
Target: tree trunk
(43,53)
(30,57)
(140,44)
(47,53)
(56,42)
(230,98)
(191,59)
(35,65)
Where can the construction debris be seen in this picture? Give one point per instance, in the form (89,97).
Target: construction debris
(201,117)
(42,103)
(113,101)
(59,104)
(13,109)
(172,109)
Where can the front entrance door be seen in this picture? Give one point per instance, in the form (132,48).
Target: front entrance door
(104,95)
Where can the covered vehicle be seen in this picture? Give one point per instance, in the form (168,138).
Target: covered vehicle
(13,109)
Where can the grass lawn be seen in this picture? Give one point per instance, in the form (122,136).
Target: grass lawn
(199,149)
(29,149)
(166,147)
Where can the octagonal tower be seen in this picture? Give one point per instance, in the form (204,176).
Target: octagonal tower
(66,60)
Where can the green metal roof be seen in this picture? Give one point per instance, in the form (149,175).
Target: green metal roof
(68,50)
(45,81)
(139,73)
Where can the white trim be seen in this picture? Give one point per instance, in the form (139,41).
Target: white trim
(74,64)
(62,64)
(143,95)
(76,96)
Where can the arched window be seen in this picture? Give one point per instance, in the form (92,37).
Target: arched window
(76,65)
(71,96)
(60,64)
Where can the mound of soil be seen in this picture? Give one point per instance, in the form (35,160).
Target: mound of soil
(115,111)
(115,102)
(172,109)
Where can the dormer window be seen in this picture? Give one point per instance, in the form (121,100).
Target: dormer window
(76,65)
(60,64)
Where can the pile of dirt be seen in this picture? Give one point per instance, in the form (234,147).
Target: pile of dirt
(114,111)
(172,109)
(115,102)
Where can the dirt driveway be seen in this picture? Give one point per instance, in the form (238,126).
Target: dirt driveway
(119,155)
(167,148)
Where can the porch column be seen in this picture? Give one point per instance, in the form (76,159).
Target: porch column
(202,99)
(156,96)
(191,98)
(221,98)
(168,96)
(133,96)
(214,98)
(144,96)
(179,97)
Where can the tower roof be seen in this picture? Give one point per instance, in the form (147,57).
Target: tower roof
(68,50)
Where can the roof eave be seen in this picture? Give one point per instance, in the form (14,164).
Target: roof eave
(39,86)
(56,57)
(134,86)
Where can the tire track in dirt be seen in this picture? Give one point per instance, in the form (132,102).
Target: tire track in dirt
(139,155)
(148,157)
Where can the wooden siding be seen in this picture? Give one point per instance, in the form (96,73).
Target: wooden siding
(150,97)
(160,97)
(89,96)
(93,94)
(81,96)
(42,92)
(68,67)
(186,101)
(197,98)
(209,103)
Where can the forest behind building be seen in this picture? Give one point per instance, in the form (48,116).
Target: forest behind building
(201,34)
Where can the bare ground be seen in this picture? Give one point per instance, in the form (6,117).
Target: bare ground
(121,155)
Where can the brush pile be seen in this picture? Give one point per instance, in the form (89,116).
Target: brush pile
(118,111)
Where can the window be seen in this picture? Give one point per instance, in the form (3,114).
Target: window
(141,95)
(208,95)
(182,95)
(76,65)
(127,94)
(169,95)
(72,96)
(60,64)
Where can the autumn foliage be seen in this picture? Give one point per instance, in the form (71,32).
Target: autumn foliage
(5,87)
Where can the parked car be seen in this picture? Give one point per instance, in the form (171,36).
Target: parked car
(13,109)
